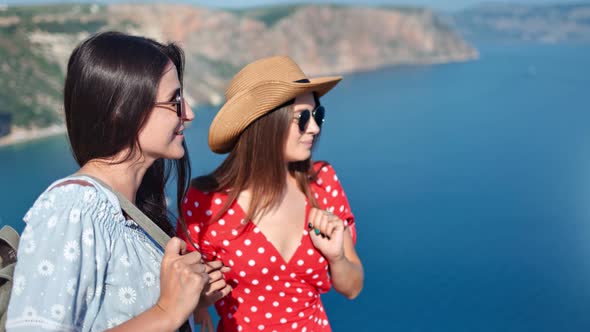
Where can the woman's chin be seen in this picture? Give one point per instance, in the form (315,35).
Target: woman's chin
(176,152)
(302,156)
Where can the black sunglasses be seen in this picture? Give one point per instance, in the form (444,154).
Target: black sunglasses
(177,100)
(303,117)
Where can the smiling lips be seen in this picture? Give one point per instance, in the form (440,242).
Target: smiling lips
(308,143)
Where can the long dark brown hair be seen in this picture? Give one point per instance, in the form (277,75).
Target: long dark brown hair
(257,162)
(110,89)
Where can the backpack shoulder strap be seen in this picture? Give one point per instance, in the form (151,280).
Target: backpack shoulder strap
(9,244)
(135,213)
(10,236)
(7,272)
(145,222)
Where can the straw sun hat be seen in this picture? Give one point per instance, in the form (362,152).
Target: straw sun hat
(257,89)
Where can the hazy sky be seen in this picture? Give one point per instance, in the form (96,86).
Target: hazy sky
(436,4)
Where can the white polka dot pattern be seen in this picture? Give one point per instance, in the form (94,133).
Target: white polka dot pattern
(270,294)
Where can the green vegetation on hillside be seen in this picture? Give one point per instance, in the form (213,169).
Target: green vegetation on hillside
(25,80)
(35,42)
(30,88)
(268,15)
(223,69)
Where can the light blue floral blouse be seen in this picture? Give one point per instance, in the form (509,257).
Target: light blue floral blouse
(81,265)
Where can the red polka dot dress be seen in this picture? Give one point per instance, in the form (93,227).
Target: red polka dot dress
(269,293)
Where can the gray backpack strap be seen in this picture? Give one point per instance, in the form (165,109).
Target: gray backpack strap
(9,243)
(145,222)
(139,217)
(7,272)
(10,236)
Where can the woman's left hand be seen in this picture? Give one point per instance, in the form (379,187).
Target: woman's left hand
(327,234)
(217,288)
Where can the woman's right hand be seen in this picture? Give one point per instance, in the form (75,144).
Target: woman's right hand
(182,279)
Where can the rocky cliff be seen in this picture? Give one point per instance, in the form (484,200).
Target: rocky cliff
(36,41)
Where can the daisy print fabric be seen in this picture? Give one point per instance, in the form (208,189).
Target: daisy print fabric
(82,266)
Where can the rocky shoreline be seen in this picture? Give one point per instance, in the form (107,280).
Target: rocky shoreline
(21,135)
(24,135)
(322,39)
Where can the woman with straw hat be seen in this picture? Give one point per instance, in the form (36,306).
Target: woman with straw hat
(281,222)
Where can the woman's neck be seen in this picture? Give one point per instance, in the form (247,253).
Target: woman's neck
(124,177)
(245,196)
(291,180)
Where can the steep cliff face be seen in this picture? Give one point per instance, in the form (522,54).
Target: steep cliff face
(35,43)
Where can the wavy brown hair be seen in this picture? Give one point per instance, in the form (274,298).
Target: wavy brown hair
(257,162)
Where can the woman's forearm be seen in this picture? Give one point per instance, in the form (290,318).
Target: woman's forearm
(153,319)
(346,270)
(347,277)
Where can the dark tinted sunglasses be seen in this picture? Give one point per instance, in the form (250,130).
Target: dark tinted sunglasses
(303,117)
(177,100)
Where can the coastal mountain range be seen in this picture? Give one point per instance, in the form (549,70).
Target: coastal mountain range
(35,42)
(504,22)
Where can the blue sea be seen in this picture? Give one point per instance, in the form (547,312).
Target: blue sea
(470,183)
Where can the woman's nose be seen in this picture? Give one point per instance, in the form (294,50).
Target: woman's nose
(188,114)
(312,127)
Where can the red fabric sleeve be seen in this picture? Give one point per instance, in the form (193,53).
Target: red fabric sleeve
(332,197)
(197,216)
